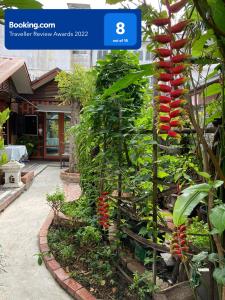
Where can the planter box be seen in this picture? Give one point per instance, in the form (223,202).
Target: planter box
(176,292)
(70,177)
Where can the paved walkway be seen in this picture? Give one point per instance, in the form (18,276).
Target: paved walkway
(24,279)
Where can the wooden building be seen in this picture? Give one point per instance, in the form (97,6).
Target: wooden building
(38,119)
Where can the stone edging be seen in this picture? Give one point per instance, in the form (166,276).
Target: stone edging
(74,288)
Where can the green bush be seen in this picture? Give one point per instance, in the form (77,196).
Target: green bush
(56,200)
(88,235)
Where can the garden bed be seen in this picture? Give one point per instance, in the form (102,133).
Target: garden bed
(91,264)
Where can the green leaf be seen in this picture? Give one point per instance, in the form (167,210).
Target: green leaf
(217,184)
(200,257)
(146,70)
(113,1)
(204,174)
(21,3)
(213,89)
(185,204)
(213,257)
(40,260)
(162,174)
(218,12)
(202,187)
(199,43)
(219,275)
(217,218)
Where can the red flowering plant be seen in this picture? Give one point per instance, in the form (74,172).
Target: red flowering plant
(171,66)
(103,210)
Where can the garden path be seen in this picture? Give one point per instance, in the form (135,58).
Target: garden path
(23,278)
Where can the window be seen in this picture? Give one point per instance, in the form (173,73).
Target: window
(102,54)
(79,52)
(148,56)
(30,125)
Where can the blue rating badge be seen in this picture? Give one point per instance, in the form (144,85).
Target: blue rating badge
(83,29)
(121,30)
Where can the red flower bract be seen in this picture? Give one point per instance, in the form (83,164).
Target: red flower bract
(163,52)
(178,81)
(178,69)
(163,99)
(164,127)
(162,38)
(164,64)
(175,113)
(161,21)
(165,119)
(178,6)
(178,93)
(164,88)
(165,77)
(179,27)
(179,44)
(177,103)
(164,108)
(179,58)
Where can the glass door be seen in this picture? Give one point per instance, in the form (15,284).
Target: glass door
(52,134)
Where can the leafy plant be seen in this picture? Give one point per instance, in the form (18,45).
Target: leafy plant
(88,235)
(198,234)
(143,285)
(79,210)
(190,198)
(75,89)
(56,201)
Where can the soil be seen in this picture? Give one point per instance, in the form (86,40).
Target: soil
(75,259)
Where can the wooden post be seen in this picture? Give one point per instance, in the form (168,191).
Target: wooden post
(155,187)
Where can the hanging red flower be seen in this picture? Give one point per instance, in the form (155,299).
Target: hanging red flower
(179,246)
(103,210)
(171,63)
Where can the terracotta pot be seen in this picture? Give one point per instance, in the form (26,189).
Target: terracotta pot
(70,177)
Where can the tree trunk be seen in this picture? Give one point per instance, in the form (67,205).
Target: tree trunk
(74,120)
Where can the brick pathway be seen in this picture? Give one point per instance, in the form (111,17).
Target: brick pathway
(20,223)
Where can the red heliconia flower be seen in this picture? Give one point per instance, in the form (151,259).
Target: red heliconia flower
(104,193)
(177,93)
(163,52)
(178,81)
(164,127)
(161,21)
(179,58)
(163,99)
(164,88)
(164,64)
(162,38)
(165,119)
(165,77)
(175,113)
(173,134)
(178,6)
(164,108)
(179,246)
(180,26)
(177,103)
(103,212)
(178,69)
(179,44)
(175,123)
(171,70)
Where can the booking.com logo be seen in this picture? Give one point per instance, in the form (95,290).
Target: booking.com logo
(27,25)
